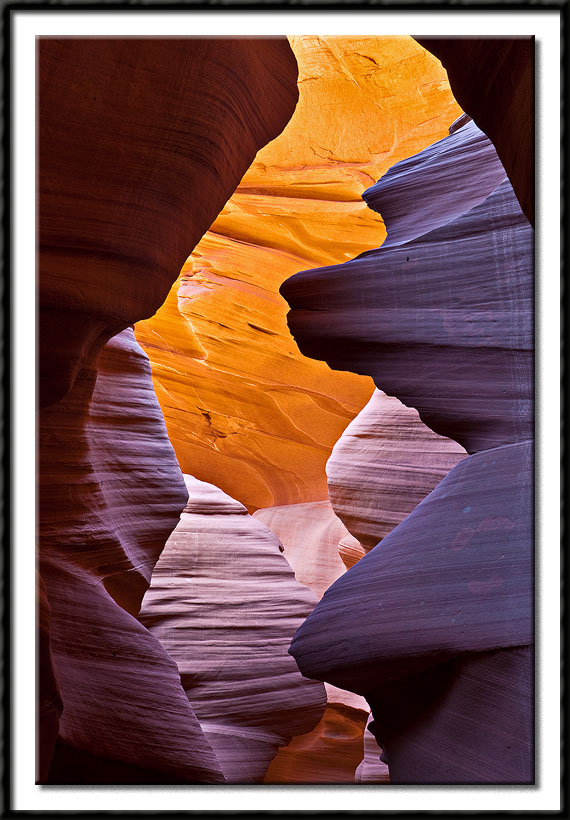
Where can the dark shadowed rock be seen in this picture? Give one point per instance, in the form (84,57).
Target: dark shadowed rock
(455,576)
(492,79)
(141,142)
(50,705)
(476,718)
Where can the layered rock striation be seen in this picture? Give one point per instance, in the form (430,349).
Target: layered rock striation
(458,568)
(372,768)
(442,320)
(429,181)
(110,494)
(311,535)
(453,308)
(224,603)
(244,410)
(499,96)
(141,142)
(383,465)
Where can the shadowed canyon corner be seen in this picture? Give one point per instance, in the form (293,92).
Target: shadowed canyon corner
(286,371)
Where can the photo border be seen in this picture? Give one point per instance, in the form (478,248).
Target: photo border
(16,400)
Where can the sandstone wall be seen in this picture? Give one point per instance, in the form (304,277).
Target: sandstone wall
(224,603)
(441,610)
(244,410)
(141,142)
(110,494)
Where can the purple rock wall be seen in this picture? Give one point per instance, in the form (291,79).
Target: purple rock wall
(435,625)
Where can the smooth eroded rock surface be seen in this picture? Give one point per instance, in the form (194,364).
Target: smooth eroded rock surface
(225,604)
(435,625)
(492,78)
(422,193)
(371,769)
(476,717)
(141,142)
(455,576)
(383,465)
(244,410)
(110,494)
(311,535)
(443,322)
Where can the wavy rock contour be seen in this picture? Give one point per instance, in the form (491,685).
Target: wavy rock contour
(110,495)
(499,96)
(383,465)
(130,130)
(311,534)
(244,410)
(444,321)
(225,604)
(453,307)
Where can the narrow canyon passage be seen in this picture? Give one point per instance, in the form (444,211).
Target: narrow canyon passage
(191,525)
(248,413)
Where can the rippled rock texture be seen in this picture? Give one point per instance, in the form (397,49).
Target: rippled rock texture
(371,769)
(470,549)
(244,410)
(141,142)
(443,320)
(499,95)
(429,182)
(225,604)
(383,465)
(311,535)
(110,494)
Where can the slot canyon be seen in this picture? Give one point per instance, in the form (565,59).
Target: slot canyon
(285,435)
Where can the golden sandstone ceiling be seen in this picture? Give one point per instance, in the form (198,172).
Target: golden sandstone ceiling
(244,409)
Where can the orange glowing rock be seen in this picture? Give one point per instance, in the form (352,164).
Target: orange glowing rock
(243,408)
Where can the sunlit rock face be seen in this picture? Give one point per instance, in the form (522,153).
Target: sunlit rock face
(130,130)
(443,321)
(311,534)
(243,408)
(499,95)
(383,465)
(328,755)
(110,494)
(225,604)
